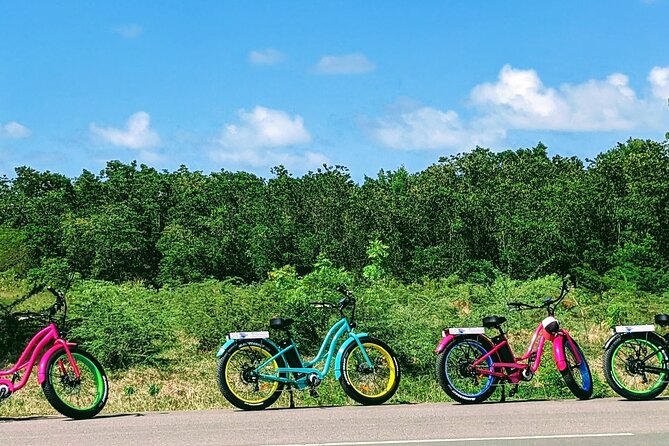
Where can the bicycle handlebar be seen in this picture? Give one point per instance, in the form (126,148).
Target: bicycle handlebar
(344,302)
(546,303)
(520,306)
(49,313)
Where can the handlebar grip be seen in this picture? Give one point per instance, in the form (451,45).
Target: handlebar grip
(343,290)
(57,293)
(29,315)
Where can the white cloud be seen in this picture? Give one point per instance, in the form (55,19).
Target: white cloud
(129,31)
(429,128)
(519,100)
(14,130)
(659,81)
(136,135)
(257,139)
(267,56)
(356,63)
(263,127)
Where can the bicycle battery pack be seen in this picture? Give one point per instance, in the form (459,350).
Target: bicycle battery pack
(504,352)
(291,355)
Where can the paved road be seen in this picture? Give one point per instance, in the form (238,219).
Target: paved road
(610,422)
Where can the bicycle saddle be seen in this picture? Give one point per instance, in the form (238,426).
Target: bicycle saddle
(493,321)
(662,319)
(280,323)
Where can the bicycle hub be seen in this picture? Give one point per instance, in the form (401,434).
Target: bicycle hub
(6,389)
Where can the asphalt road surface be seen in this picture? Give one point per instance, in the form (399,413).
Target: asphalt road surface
(611,422)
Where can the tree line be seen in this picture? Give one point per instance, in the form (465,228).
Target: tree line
(477,214)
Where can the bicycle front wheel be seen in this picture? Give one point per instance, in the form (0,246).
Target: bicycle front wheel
(635,366)
(241,382)
(576,375)
(77,398)
(367,384)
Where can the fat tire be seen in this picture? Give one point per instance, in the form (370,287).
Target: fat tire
(222,382)
(350,389)
(446,384)
(568,376)
(609,373)
(52,395)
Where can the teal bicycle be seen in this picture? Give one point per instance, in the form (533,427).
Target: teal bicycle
(253,370)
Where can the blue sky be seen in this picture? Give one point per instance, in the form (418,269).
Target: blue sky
(247,85)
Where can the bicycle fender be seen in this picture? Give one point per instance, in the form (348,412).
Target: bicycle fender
(41,374)
(230,342)
(558,349)
(444,342)
(645,335)
(340,352)
(226,345)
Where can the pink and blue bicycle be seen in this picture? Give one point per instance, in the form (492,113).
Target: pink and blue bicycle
(470,364)
(72,380)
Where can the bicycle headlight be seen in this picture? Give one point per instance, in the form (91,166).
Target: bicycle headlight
(551,325)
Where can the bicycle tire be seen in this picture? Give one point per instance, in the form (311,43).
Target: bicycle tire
(240,388)
(78,399)
(580,384)
(454,374)
(369,386)
(625,361)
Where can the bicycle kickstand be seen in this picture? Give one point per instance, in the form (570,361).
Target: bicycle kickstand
(291,397)
(503,398)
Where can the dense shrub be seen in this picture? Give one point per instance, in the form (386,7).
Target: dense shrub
(122,325)
(209,310)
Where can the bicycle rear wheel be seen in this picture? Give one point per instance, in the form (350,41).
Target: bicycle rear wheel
(238,378)
(627,362)
(75,398)
(458,377)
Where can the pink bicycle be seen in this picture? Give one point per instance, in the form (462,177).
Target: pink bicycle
(72,380)
(470,364)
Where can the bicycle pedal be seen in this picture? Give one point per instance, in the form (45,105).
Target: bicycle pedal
(313,393)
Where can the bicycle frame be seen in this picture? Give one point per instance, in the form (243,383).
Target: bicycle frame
(325,353)
(532,356)
(46,339)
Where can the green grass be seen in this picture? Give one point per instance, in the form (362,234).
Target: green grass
(159,346)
